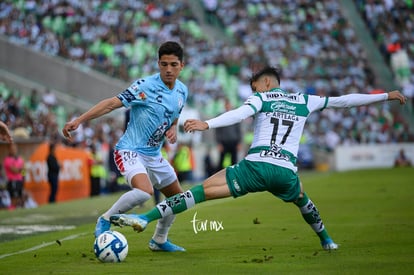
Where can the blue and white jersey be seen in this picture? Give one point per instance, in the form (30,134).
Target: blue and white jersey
(153,108)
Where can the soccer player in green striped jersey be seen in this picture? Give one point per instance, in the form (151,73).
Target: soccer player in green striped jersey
(270,165)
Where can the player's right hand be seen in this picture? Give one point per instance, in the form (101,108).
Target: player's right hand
(69,126)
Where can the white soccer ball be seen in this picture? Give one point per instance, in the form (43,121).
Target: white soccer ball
(111,247)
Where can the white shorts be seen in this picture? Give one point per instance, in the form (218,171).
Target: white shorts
(158,169)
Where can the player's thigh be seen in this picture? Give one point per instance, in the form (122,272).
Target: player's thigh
(216,186)
(162,174)
(133,167)
(283,183)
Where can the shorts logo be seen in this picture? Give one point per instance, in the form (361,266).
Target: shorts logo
(236,186)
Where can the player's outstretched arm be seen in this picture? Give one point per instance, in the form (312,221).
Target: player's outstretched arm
(396,95)
(103,107)
(195,125)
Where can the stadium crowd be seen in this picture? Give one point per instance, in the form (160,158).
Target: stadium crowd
(391,24)
(310,40)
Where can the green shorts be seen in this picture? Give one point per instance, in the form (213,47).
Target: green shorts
(252,176)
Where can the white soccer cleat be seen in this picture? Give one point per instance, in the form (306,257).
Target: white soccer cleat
(329,245)
(137,222)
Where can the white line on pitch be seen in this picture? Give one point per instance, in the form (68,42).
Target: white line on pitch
(71,237)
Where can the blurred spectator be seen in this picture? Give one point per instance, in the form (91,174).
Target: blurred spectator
(34,100)
(5,201)
(400,65)
(183,162)
(98,171)
(229,141)
(402,160)
(49,99)
(210,7)
(14,168)
(209,166)
(408,91)
(53,168)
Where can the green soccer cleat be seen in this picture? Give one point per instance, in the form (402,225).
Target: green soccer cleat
(137,222)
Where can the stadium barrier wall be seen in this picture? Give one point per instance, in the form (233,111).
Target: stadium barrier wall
(74,178)
(74,175)
(352,157)
(65,76)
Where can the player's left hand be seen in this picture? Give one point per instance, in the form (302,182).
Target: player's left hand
(191,125)
(397,95)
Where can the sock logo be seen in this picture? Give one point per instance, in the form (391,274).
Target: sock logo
(176,203)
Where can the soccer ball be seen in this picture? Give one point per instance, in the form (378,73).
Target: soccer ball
(111,247)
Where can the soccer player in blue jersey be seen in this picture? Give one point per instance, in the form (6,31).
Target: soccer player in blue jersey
(155,104)
(270,165)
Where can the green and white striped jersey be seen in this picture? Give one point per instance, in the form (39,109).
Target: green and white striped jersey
(279,119)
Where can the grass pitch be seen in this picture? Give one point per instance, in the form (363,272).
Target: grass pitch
(369,213)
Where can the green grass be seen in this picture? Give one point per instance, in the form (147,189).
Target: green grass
(369,213)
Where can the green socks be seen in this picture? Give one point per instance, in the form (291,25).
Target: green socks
(311,215)
(176,204)
(183,201)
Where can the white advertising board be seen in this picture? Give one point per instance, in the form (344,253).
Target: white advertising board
(366,156)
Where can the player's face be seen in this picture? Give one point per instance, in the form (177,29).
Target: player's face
(170,67)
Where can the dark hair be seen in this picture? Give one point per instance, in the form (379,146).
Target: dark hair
(268,70)
(171,47)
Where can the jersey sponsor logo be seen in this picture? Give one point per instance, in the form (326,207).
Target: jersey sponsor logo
(283,107)
(127,95)
(282,95)
(158,135)
(274,152)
